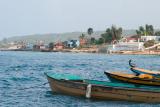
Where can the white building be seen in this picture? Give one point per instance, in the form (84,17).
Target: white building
(126,46)
(147,38)
(15,47)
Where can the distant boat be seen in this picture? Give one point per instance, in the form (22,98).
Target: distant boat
(143,79)
(73,85)
(143,71)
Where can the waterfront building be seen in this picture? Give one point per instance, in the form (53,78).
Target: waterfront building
(128,46)
(29,46)
(59,46)
(147,38)
(71,43)
(43,47)
(131,43)
(83,41)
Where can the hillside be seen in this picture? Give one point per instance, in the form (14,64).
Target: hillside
(53,37)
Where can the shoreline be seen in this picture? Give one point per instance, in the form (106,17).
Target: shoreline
(146,52)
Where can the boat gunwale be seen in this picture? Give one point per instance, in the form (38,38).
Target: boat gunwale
(145,71)
(114,87)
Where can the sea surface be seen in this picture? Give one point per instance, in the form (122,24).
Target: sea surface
(23,83)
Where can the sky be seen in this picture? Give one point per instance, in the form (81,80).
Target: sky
(24,17)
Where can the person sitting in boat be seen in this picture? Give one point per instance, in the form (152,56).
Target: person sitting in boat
(145,76)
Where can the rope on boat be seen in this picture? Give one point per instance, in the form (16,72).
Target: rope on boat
(88,91)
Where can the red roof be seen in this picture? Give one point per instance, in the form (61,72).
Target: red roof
(59,44)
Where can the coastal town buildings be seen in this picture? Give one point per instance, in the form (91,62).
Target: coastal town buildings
(44,47)
(129,43)
(71,43)
(59,46)
(147,38)
(16,46)
(128,46)
(83,41)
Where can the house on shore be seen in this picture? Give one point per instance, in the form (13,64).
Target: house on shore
(44,47)
(58,46)
(17,46)
(147,38)
(133,38)
(130,43)
(82,41)
(73,43)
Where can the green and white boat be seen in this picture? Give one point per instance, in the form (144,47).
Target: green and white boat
(76,86)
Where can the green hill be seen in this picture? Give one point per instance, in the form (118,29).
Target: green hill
(54,37)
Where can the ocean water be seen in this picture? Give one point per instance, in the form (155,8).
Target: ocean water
(23,83)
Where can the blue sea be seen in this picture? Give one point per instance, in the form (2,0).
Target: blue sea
(23,83)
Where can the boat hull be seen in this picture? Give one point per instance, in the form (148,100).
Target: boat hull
(134,79)
(79,88)
(67,87)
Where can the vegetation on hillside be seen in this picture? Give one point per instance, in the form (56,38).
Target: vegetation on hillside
(112,34)
(52,37)
(149,43)
(157,33)
(147,30)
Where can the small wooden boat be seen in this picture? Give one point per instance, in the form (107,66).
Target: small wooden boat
(144,71)
(138,71)
(143,79)
(72,85)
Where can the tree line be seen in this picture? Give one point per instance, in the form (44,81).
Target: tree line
(114,34)
(147,30)
(110,35)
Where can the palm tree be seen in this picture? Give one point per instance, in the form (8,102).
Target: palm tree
(112,34)
(108,30)
(150,30)
(157,33)
(119,33)
(142,30)
(82,36)
(116,33)
(90,31)
(51,46)
(138,32)
(147,30)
